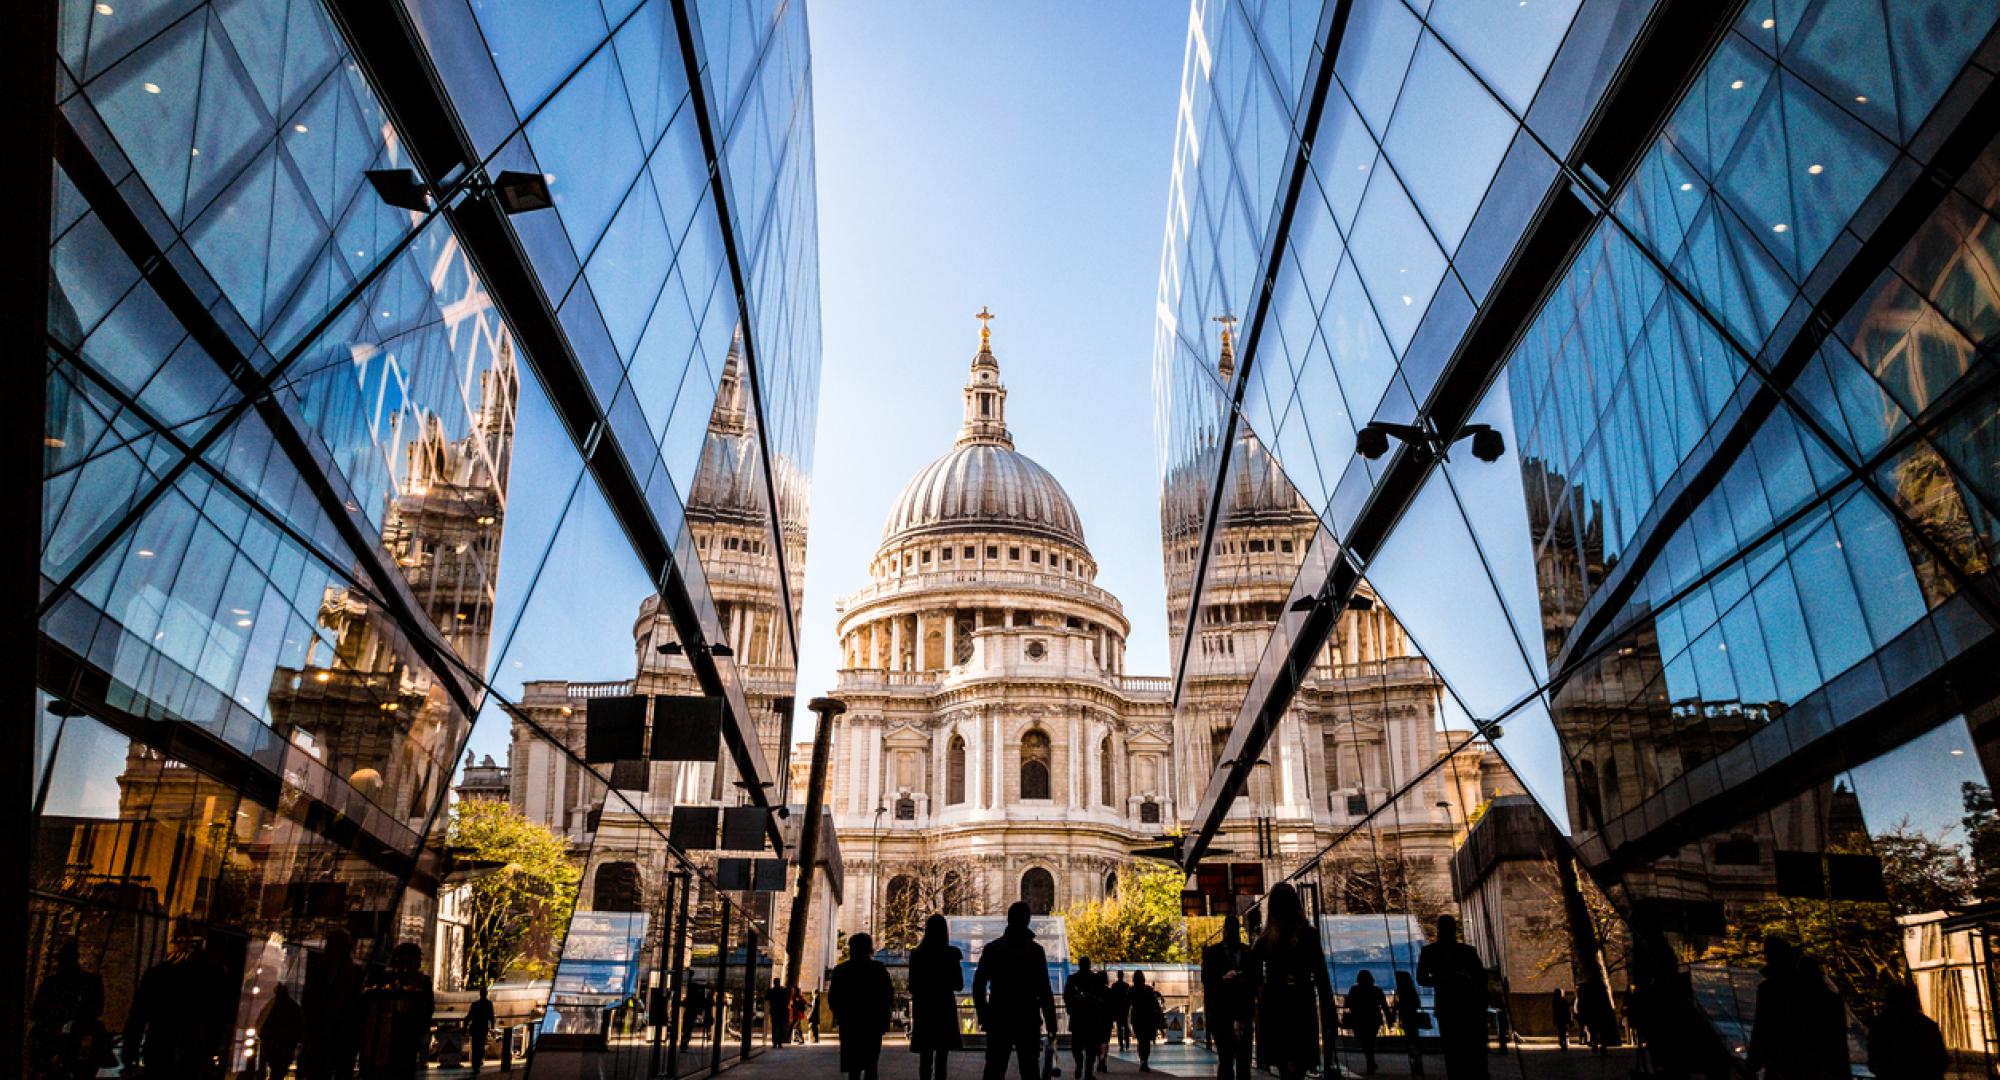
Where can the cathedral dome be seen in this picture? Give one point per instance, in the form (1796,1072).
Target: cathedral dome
(984,485)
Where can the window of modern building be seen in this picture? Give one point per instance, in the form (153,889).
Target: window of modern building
(1035,755)
(1038,888)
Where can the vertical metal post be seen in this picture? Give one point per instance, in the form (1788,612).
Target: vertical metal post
(750,944)
(716,1023)
(676,1005)
(825,708)
(28,60)
(661,1016)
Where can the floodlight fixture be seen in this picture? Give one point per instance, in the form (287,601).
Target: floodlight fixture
(1371,442)
(520,192)
(401,188)
(1487,442)
(1307,603)
(721,649)
(1358,602)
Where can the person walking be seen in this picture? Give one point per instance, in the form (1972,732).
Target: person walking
(1149,1015)
(1600,1020)
(1411,1020)
(65,1020)
(1362,1014)
(1011,996)
(1229,993)
(812,1014)
(1295,1005)
(1453,970)
(1903,1043)
(1560,1013)
(862,997)
(1086,998)
(279,1033)
(936,977)
(396,1016)
(331,1002)
(778,1010)
(478,1029)
(179,1021)
(1120,999)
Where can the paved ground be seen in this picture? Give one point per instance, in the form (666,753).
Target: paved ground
(1533,1063)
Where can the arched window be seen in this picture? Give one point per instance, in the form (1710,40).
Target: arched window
(1111,885)
(616,888)
(1034,765)
(1038,888)
(954,767)
(1106,775)
(1149,813)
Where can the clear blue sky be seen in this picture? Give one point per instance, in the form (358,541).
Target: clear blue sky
(1006,154)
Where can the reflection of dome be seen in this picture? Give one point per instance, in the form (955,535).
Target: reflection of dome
(985,486)
(1259,491)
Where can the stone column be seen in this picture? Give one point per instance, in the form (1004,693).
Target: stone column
(950,636)
(975,762)
(1075,757)
(896,643)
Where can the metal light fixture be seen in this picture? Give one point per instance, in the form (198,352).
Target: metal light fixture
(520,192)
(675,648)
(1372,441)
(401,188)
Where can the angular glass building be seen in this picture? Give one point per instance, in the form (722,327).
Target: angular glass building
(1682,319)
(383,350)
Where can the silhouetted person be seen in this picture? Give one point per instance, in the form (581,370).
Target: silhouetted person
(1823,1021)
(1903,1043)
(1149,1015)
(1295,1007)
(862,998)
(181,1015)
(1365,1009)
(1410,1019)
(1451,968)
(1560,1015)
(694,1013)
(798,1007)
(812,1015)
(65,1020)
(1087,1000)
(396,1017)
(331,1002)
(1120,1000)
(479,1028)
(1600,1020)
(1229,991)
(1778,1035)
(278,1034)
(1010,993)
(935,980)
(778,1008)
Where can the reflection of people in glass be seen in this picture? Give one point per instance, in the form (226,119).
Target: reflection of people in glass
(1903,1043)
(1295,1007)
(1600,1021)
(1452,969)
(1365,1007)
(1800,1027)
(279,1032)
(1559,1014)
(332,1006)
(479,1028)
(694,1013)
(1229,993)
(66,1031)
(862,998)
(396,1018)
(936,977)
(179,1023)
(1410,1018)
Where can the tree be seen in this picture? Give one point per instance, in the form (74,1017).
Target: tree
(517,910)
(1982,833)
(1922,873)
(1141,924)
(916,889)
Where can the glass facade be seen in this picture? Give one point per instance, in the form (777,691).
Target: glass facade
(330,484)
(1724,603)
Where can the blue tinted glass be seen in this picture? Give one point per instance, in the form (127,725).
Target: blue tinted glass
(1509,45)
(1446,140)
(1399,261)
(1374,56)
(588,148)
(534,46)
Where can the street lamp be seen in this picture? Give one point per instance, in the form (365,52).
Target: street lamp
(875,872)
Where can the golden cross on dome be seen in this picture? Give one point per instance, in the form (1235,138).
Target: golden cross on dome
(985,318)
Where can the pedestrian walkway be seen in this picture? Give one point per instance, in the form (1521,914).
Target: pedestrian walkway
(1533,1062)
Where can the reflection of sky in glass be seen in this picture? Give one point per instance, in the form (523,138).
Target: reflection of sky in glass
(1919,783)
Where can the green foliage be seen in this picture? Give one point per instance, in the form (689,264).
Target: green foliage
(517,911)
(1141,924)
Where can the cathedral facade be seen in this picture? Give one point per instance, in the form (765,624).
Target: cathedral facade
(994,746)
